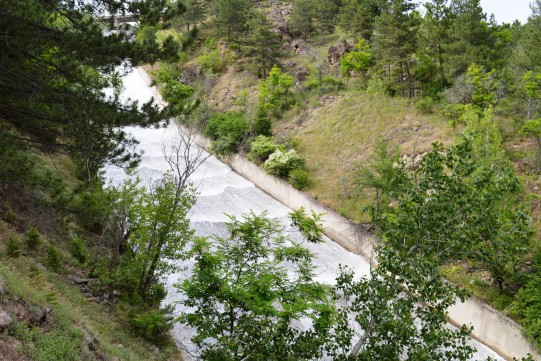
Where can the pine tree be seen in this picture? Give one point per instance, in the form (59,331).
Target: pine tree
(433,38)
(358,16)
(231,17)
(471,37)
(56,58)
(260,45)
(394,41)
(301,20)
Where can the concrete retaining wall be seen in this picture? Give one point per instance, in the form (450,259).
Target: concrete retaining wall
(491,327)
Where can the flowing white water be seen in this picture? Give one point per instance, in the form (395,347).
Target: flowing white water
(221,192)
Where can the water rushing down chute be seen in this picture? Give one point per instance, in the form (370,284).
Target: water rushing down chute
(221,192)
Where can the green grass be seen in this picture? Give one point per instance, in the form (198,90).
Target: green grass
(336,136)
(473,282)
(71,313)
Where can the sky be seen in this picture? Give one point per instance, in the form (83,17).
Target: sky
(507,10)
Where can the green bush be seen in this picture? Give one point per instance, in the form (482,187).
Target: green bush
(328,84)
(13,247)
(9,215)
(53,258)
(212,61)
(32,238)
(228,130)
(153,325)
(528,306)
(78,249)
(424,105)
(262,122)
(280,163)
(262,147)
(275,91)
(59,344)
(299,178)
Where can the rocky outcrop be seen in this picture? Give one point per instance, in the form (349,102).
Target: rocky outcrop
(5,320)
(336,52)
(300,47)
(278,14)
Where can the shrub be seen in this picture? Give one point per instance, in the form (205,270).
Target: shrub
(274,92)
(59,344)
(212,61)
(424,105)
(262,122)
(528,306)
(78,249)
(9,215)
(328,84)
(280,163)
(14,247)
(299,178)
(33,238)
(262,147)
(152,325)
(53,258)
(228,130)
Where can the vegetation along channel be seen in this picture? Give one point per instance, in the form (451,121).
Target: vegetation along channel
(124,236)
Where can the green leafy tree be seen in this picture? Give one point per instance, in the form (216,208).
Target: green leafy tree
(357,61)
(158,231)
(13,248)
(528,36)
(380,174)
(274,92)
(471,186)
(228,131)
(196,12)
(532,127)
(53,258)
(401,308)
(248,289)
(32,238)
(262,147)
(281,163)
(56,60)
(532,89)
(483,87)
(262,122)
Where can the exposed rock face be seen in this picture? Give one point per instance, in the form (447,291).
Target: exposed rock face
(336,52)
(5,320)
(301,74)
(300,47)
(278,14)
(190,74)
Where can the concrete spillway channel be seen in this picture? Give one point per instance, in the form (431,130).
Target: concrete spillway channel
(222,191)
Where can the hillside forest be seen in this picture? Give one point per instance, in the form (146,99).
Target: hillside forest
(419,122)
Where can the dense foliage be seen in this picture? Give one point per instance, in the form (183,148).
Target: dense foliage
(56,60)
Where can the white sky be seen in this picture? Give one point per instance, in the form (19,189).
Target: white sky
(507,10)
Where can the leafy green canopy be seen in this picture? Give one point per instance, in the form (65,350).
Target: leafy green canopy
(55,59)
(246,303)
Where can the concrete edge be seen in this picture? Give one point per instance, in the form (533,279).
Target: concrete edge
(492,328)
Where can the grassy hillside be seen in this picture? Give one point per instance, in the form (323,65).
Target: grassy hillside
(50,306)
